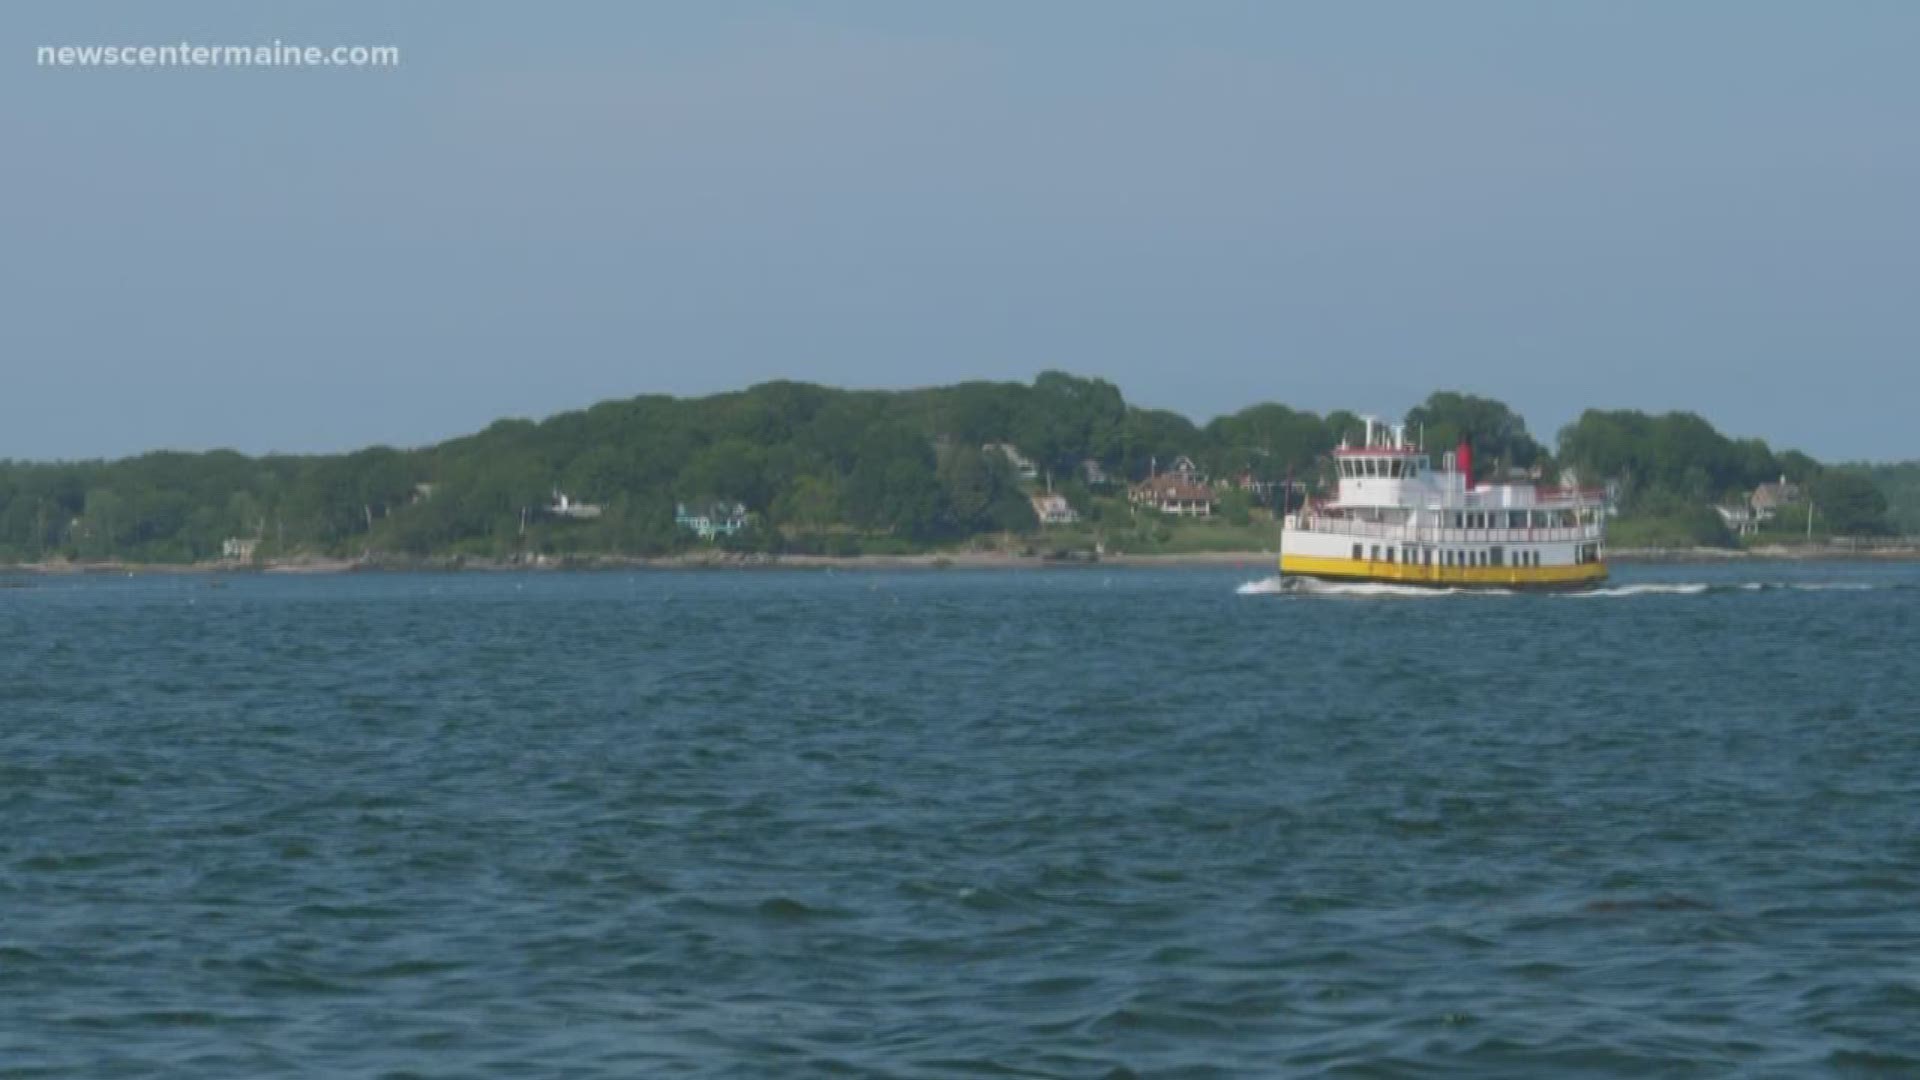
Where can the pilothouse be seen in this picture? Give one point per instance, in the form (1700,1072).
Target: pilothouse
(1398,519)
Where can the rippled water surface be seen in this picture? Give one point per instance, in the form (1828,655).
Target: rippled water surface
(1073,823)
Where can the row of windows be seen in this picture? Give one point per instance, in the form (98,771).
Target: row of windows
(1514,519)
(1587,553)
(1381,468)
(1490,556)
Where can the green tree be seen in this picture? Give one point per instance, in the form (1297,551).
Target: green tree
(1849,503)
(1497,434)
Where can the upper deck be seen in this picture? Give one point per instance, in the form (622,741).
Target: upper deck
(1390,471)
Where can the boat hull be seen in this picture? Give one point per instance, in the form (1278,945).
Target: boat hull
(1564,578)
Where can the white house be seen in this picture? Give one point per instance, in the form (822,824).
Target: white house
(710,520)
(567,508)
(1021,463)
(1742,520)
(1053,509)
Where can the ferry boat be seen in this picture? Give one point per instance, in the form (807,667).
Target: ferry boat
(1397,519)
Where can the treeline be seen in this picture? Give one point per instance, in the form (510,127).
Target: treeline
(1670,470)
(821,470)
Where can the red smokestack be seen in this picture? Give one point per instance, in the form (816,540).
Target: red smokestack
(1463,460)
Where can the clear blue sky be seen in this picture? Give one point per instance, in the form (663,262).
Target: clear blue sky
(1704,206)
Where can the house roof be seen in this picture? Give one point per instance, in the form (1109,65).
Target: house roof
(1772,494)
(1173,488)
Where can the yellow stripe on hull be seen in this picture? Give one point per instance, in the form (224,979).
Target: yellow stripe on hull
(1576,576)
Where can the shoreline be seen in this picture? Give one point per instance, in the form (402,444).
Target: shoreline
(960,560)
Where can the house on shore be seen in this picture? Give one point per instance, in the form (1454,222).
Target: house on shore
(1739,520)
(1769,498)
(1022,464)
(1094,473)
(565,507)
(1183,467)
(1169,493)
(1261,491)
(710,520)
(1762,505)
(1053,509)
(239,548)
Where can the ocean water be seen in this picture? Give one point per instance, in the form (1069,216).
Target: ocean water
(1077,823)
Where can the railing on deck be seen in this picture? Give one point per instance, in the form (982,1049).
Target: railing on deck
(1434,534)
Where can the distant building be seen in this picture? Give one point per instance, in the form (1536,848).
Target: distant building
(1762,506)
(239,548)
(1740,520)
(1261,490)
(1184,468)
(1053,509)
(1171,493)
(1771,496)
(1021,463)
(567,508)
(422,492)
(709,520)
(1094,473)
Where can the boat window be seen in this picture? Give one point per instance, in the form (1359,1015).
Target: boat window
(1356,553)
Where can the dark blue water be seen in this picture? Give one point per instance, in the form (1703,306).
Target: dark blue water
(1074,823)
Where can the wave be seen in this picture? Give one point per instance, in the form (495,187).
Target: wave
(1650,588)
(1300,586)
(1695,588)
